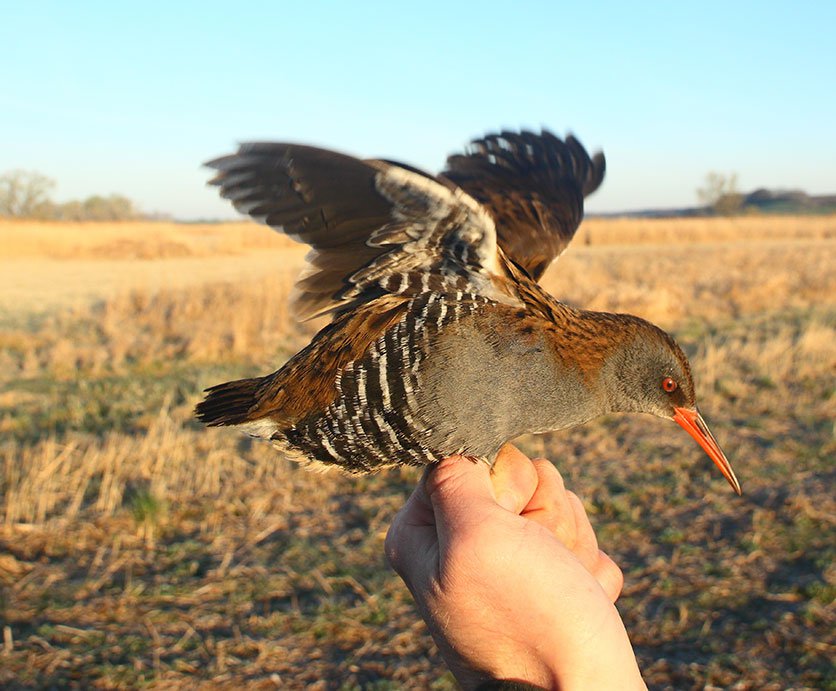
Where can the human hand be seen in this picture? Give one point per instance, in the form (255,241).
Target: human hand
(505,569)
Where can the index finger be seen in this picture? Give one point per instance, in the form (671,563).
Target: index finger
(514,479)
(550,505)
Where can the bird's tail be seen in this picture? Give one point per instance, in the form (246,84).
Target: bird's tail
(229,403)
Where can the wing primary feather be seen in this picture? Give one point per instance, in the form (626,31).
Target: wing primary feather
(533,185)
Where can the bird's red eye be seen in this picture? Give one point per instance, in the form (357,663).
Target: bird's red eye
(669,384)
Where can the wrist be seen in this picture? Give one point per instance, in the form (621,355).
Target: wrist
(605,660)
(602,660)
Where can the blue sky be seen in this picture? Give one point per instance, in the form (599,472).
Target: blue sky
(132,97)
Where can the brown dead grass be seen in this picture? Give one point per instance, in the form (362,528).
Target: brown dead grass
(198,319)
(45,266)
(701,281)
(732,229)
(132,240)
(138,548)
(57,479)
(54,479)
(162,240)
(218,308)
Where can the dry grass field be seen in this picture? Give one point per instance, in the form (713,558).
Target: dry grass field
(138,549)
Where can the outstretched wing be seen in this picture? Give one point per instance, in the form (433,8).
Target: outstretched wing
(533,185)
(375,227)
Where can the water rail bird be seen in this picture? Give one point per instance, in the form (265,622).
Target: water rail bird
(440,340)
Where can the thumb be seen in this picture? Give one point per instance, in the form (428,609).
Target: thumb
(461,493)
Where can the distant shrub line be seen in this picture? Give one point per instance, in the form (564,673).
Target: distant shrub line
(26,194)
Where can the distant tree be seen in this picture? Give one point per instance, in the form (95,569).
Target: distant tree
(25,194)
(112,208)
(720,194)
(70,211)
(97,208)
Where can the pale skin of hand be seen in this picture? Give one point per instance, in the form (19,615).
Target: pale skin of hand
(505,569)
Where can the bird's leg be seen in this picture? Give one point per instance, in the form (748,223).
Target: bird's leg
(479,459)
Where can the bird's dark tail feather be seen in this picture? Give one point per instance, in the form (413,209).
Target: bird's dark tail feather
(229,403)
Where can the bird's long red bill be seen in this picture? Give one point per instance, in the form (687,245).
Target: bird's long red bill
(692,422)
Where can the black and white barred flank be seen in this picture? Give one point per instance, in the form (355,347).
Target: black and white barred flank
(376,419)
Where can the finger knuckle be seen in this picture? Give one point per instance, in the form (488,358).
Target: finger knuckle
(610,576)
(548,471)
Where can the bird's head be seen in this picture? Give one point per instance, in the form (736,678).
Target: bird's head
(649,373)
